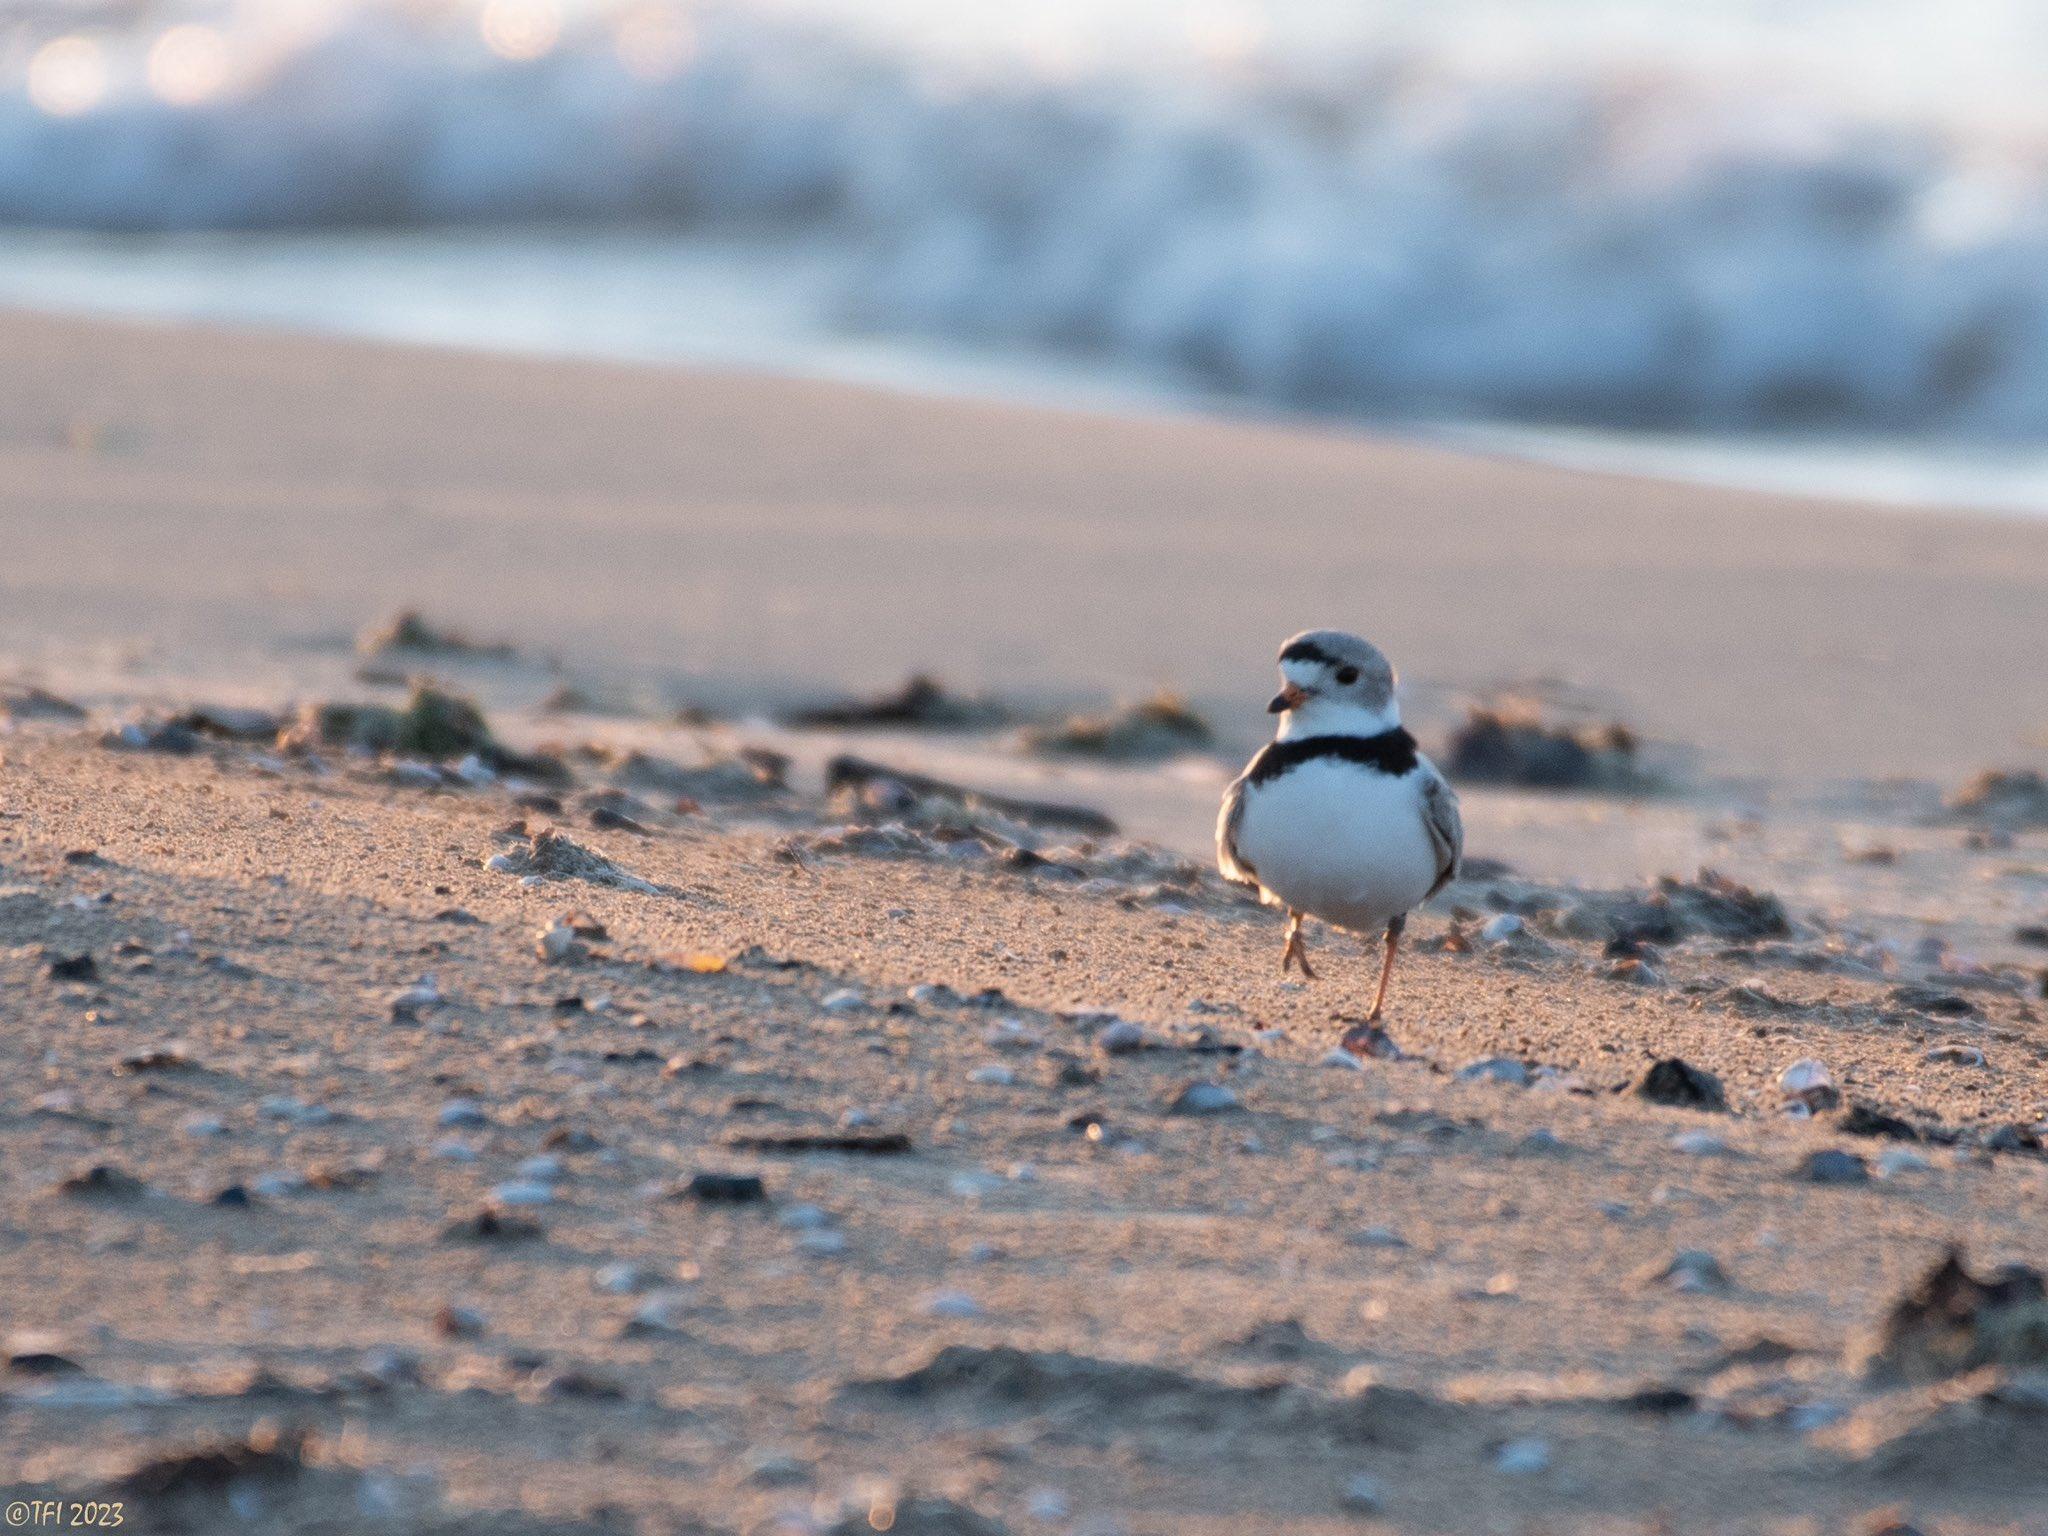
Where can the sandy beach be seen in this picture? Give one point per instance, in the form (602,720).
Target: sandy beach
(386,1111)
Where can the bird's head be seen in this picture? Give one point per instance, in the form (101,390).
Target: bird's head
(1334,684)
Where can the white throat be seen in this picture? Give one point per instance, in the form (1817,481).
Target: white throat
(1336,717)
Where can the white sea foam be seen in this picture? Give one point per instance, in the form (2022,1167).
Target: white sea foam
(1396,228)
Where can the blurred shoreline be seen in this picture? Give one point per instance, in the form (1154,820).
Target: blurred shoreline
(1788,250)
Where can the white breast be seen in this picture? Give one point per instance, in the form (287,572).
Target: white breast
(1340,841)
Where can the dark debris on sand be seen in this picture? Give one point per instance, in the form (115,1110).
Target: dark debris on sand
(550,855)
(1003,1380)
(751,773)
(212,1468)
(1509,742)
(713,1188)
(859,1143)
(407,631)
(153,733)
(1162,726)
(1679,1083)
(879,787)
(224,722)
(28,702)
(1709,906)
(490,1225)
(921,703)
(1952,1321)
(434,725)
(102,1181)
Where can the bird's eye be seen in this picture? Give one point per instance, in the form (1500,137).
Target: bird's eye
(1346,676)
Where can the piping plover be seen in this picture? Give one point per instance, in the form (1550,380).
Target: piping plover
(1340,817)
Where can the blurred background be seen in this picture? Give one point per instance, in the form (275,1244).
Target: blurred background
(1796,243)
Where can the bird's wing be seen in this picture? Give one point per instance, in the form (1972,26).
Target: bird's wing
(1228,821)
(1445,826)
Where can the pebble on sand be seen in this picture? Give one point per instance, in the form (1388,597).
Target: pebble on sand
(1201,1098)
(1832,1166)
(1120,1037)
(1678,1082)
(1955,1054)
(1808,1082)
(1364,1495)
(1894,1161)
(654,1316)
(1522,1458)
(775,1469)
(623,1279)
(1504,929)
(523,1192)
(726,1188)
(1377,1237)
(1700,1144)
(491,1225)
(409,1003)
(459,1322)
(1691,1270)
(559,944)
(1495,1069)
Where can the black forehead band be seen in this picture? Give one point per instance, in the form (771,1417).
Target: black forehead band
(1308,650)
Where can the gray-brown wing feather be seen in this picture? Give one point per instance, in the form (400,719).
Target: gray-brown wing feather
(1228,822)
(1445,826)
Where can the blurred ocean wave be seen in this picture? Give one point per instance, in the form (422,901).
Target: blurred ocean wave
(1394,229)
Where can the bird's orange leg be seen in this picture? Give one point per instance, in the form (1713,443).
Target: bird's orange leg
(1387,966)
(1294,952)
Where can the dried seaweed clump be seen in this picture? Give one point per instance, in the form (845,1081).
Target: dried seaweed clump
(29,702)
(1711,905)
(875,791)
(1162,726)
(1510,742)
(921,703)
(434,725)
(551,856)
(1952,1321)
(408,632)
(751,773)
